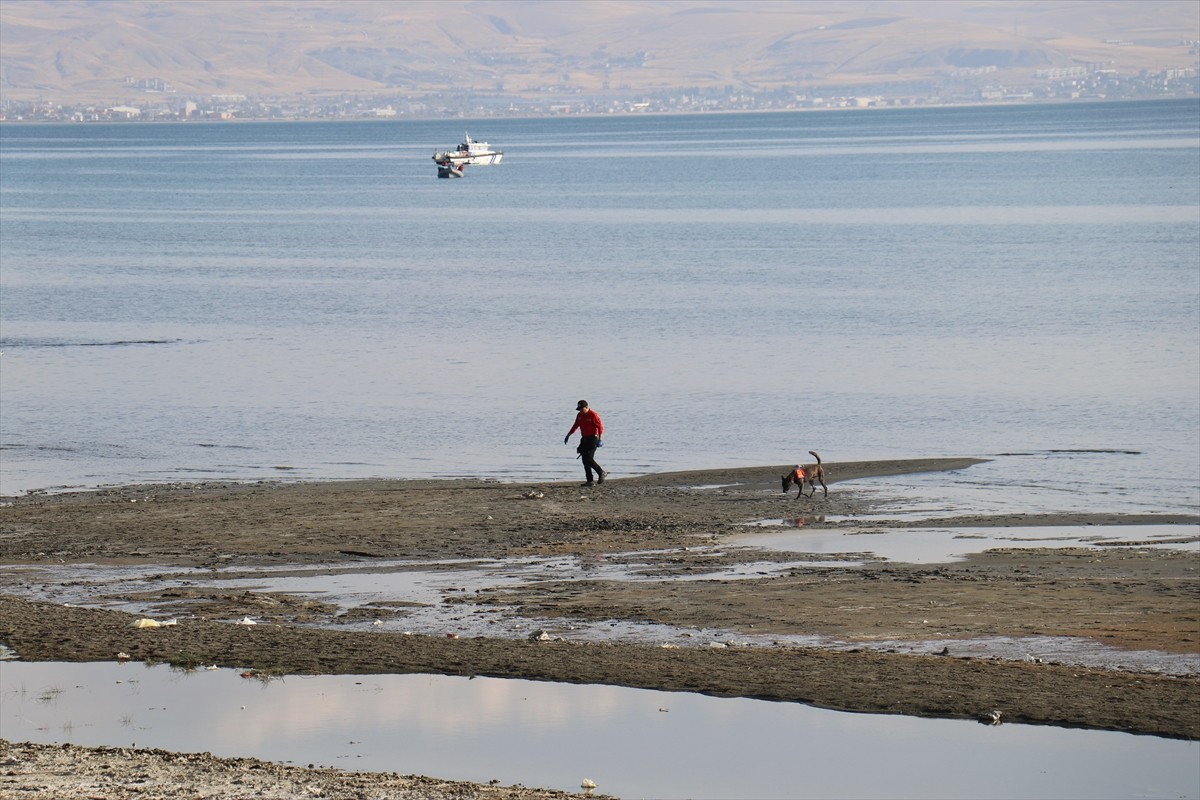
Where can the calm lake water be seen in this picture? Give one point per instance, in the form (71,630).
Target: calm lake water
(632,743)
(307,300)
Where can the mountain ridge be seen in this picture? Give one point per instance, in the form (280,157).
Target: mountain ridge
(523,48)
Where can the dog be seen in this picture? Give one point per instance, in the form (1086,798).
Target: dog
(812,474)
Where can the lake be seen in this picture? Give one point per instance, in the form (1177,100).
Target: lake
(307,301)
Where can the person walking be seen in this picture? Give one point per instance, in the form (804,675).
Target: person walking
(590,428)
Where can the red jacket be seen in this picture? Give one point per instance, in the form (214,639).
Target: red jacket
(588,423)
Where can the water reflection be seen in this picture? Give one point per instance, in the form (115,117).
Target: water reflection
(940,545)
(631,742)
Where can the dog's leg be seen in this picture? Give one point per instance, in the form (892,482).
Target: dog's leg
(818,473)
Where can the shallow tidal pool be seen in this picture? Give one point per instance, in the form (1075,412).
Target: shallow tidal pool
(631,742)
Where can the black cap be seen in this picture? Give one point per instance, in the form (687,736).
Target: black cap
(581,405)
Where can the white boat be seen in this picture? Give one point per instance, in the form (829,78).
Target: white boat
(451,162)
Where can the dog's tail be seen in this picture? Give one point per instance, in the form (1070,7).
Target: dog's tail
(813,453)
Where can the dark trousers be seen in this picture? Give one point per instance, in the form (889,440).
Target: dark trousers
(587,451)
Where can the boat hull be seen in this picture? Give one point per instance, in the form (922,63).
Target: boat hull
(474,159)
(484,159)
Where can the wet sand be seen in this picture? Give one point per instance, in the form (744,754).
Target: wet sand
(1130,597)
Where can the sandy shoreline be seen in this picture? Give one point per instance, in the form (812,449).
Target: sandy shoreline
(1149,595)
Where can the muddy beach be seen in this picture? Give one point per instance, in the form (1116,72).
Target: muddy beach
(673,530)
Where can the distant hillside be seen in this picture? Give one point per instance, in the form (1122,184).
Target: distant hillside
(102,51)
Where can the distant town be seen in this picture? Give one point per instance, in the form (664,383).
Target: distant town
(155,100)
